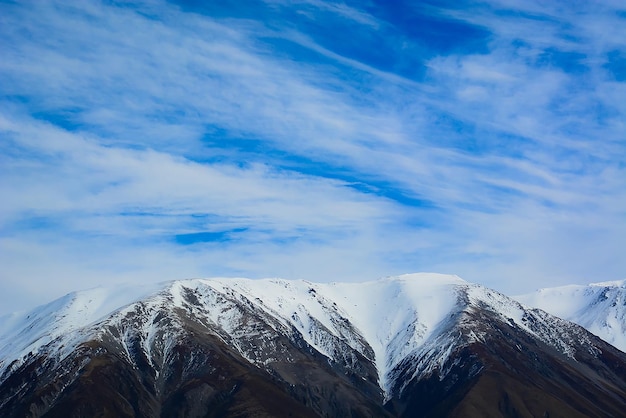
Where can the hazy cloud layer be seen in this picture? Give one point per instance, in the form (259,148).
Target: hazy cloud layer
(312,139)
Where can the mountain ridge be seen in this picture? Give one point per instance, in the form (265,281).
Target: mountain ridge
(598,307)
(394,346)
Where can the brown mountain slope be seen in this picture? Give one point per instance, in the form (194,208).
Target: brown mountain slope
(511,374)
(189,372)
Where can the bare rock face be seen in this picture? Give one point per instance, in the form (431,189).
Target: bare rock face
(417,346)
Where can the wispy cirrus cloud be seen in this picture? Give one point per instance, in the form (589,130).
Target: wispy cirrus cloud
(162,140)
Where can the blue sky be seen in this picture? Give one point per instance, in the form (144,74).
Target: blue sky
(323,140)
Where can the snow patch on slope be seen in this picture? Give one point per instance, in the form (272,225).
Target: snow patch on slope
(598,307)
(61,325)
(396,315)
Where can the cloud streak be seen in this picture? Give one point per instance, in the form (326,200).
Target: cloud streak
(159,141)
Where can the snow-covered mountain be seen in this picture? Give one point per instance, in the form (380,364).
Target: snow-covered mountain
(598,307)
(414,345)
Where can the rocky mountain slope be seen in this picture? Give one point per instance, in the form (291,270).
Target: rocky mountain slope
(414,345)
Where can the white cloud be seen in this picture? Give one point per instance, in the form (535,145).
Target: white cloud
(120,131)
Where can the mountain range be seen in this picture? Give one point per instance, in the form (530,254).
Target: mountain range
(419,345)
